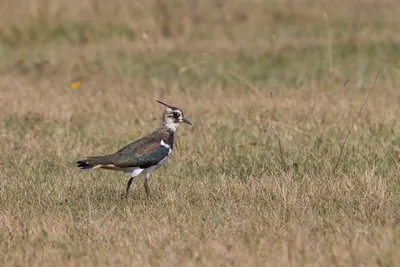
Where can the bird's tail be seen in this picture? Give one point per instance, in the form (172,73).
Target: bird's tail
(94,162)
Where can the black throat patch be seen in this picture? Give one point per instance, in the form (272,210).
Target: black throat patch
(168,137)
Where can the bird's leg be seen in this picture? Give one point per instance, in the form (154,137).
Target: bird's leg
(146,185)
(128,186)
(134,173)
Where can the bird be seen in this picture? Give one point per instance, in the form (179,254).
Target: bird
(143,155)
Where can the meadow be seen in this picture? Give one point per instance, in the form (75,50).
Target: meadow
(294,154)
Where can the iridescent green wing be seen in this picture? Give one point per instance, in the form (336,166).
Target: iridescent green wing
(142,153)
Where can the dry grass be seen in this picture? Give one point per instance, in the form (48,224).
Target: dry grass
(251,183)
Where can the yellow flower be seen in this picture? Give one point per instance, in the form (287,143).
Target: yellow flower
(373,37)
(76,85)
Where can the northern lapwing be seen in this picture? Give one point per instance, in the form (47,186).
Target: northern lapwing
(146,154)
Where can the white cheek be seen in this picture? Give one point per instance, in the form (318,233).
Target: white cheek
(170,124)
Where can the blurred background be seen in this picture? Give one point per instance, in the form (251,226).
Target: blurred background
(269,37)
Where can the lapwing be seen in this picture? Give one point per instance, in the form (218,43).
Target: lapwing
(146,154)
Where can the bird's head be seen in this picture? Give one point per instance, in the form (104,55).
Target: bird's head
(172,117)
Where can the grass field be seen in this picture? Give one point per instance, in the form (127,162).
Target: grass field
(288,162)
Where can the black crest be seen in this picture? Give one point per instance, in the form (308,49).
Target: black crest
(169,106)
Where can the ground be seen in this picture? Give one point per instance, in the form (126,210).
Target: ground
(294,154)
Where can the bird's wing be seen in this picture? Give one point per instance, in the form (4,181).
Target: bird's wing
(142,153)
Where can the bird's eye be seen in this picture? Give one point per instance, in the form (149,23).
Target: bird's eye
(175,114)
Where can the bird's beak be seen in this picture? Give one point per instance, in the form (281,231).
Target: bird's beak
(186,121)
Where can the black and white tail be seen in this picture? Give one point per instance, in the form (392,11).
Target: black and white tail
(92,162)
